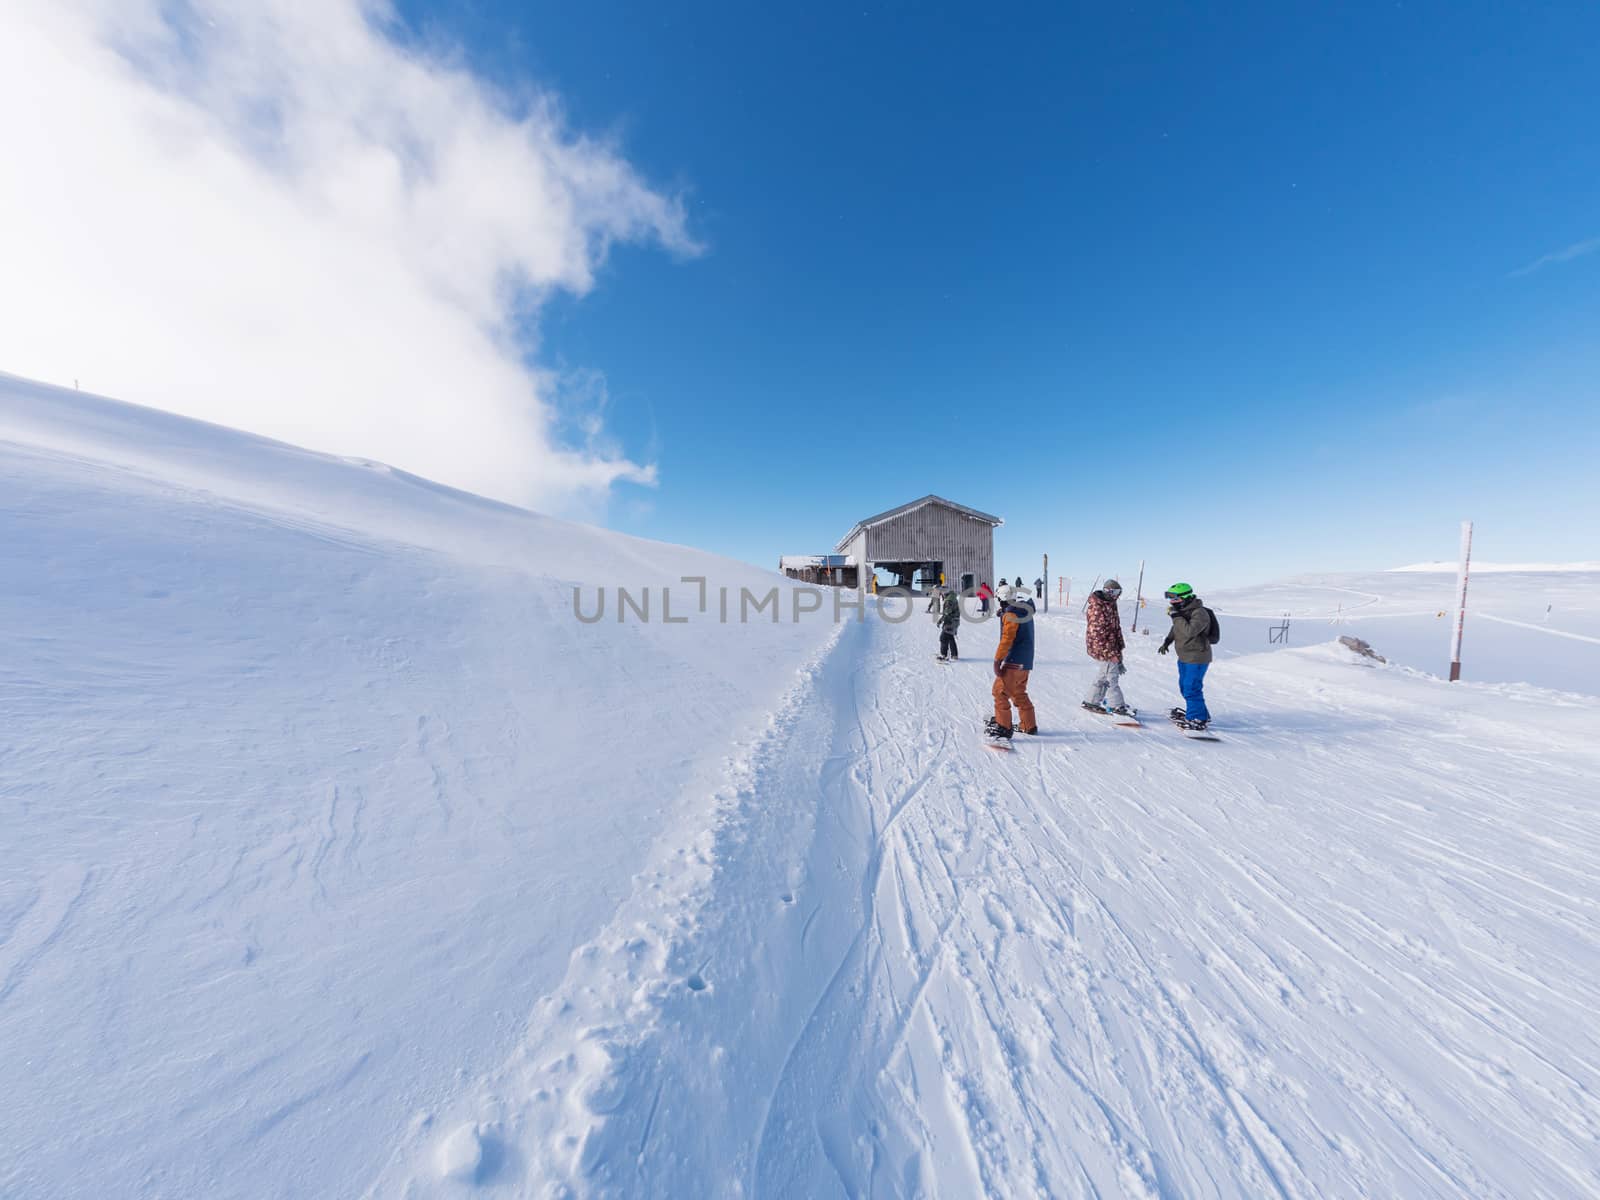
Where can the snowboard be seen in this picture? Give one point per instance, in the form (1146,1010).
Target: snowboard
(994,742)
(1128,720)
(1194,735)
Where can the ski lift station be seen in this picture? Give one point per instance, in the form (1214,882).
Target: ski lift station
(920,545)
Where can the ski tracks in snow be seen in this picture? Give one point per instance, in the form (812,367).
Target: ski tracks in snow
(1349,951)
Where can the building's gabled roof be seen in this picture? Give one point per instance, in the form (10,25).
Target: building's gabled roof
(869,522)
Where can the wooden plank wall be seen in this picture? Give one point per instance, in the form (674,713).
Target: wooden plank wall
(934,533)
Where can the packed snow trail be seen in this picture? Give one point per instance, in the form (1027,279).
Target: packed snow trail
(1353,950)
(1350,951)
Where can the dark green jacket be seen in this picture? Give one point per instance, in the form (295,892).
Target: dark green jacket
(950,612)
(1191,631)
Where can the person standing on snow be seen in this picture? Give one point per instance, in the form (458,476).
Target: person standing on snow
(1103,639)
(949,622)
(1013,660)
(1194,632)
(983,597)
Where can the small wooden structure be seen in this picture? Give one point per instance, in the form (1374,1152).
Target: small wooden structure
(833,570)
(921,544)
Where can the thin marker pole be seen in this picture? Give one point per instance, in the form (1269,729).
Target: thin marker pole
(1461,600)
(1138,596)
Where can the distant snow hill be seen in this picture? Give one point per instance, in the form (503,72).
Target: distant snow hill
(340,858)
(1488,568)
(1537,624)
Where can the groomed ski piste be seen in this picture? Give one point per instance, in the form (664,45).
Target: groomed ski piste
(342,859)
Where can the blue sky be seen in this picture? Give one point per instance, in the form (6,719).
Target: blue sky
(1246,292)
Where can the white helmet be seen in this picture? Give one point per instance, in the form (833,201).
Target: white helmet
(1003,593)
(1020,595)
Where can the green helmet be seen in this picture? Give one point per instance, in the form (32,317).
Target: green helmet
(1179,591)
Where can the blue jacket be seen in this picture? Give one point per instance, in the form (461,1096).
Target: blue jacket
(1016,636)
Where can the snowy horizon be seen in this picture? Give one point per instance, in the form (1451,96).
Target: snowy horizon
(647,272)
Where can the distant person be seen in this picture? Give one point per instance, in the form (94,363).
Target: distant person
(1103,640)
(1194,632)
(984,594)
(933,600)
(1013,661)
(1038,587)
(949,622)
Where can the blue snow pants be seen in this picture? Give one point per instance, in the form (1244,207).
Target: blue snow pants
(1190,678)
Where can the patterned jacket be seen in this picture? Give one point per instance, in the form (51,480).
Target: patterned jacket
(1103,633)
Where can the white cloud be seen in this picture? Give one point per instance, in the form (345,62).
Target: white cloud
(276,216)
(1576,250)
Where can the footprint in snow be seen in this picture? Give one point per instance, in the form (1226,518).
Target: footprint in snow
(469,1154)
(999,915)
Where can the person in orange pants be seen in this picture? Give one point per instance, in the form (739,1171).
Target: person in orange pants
(1013,660)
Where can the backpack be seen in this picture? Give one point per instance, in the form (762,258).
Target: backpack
(1214,634)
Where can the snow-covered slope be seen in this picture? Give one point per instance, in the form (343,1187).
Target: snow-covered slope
(341,859)
(310,782)
(1352,950)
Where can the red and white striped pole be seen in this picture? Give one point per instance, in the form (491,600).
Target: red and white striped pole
(1461,600)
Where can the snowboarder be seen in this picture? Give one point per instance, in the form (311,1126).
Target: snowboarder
(983,597)
(1013,660)
(949,622)
(1103,640)
(1194,632)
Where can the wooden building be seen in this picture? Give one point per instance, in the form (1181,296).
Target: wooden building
(919,545)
